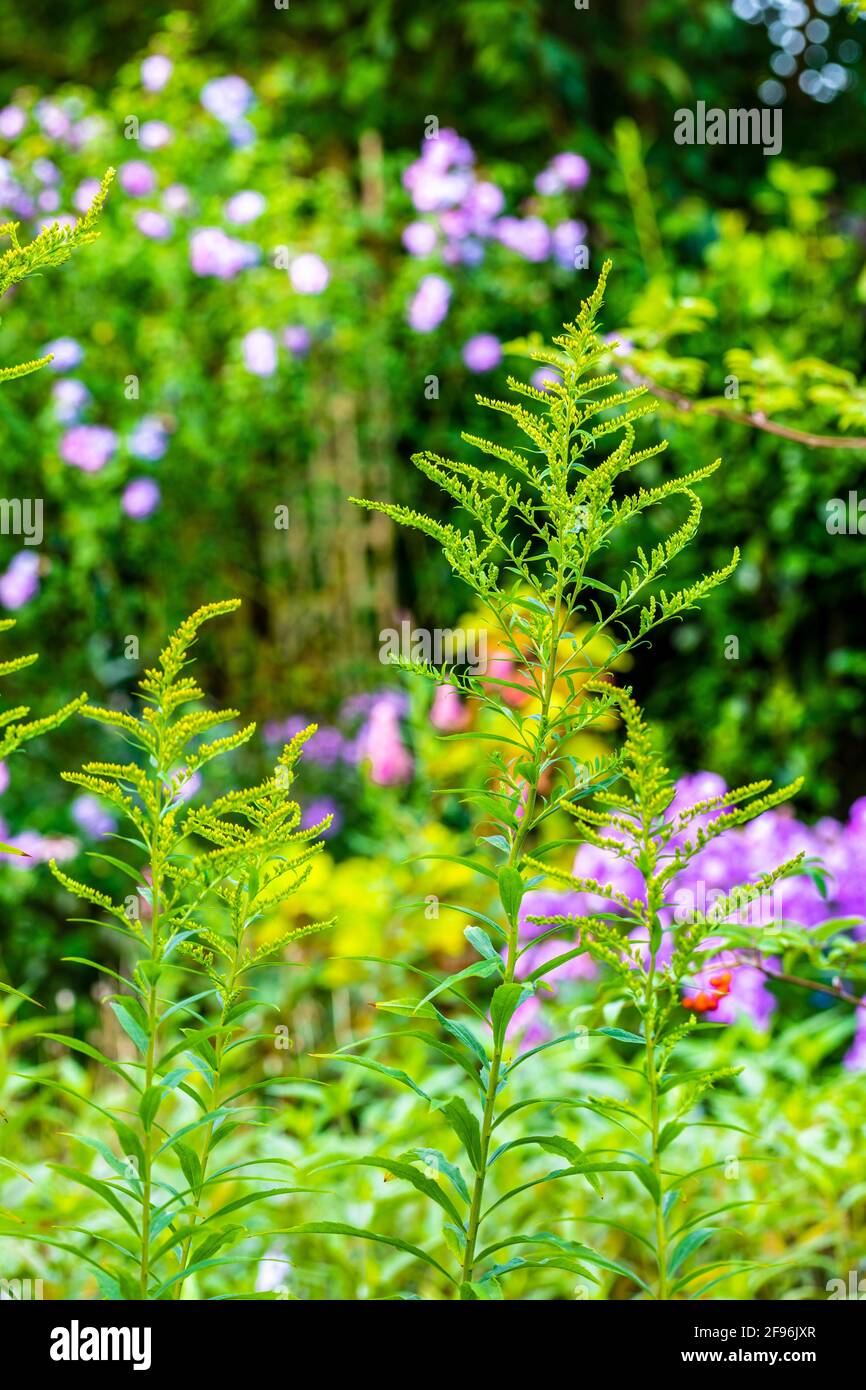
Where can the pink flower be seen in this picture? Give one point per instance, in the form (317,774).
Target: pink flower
(448,711)
(88,447)
(381,745)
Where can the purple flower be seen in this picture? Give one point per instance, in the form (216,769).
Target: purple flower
(91,816)
(70,397)
(571,168)
(228,98)
(429,304)
(484,202)
(297,339)
(53,120)
(567,236)
(137,178)
(245,206)
(548,183)
(482,353)
(528,236)
(155,71)
(155,135)
(309,274)
(212,252)
(85,194)
(89,447)
(176,198)
(152,224)
(855,1057)
(544,378)
(67,353)
(148,440)
(317,811)
(419,238)
(12,122)
(45,171)
(21,581)
(259,350)
(326,747)
(4,778)
(140,498)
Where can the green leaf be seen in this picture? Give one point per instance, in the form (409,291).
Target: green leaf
(506,999)
(484,968)
(511,890)
(688,1245)
(477,937)
(464,1125)
(149,1104)
(101,1188)
(391,1073)
(338,1228)
(131,1027)
(408,1173)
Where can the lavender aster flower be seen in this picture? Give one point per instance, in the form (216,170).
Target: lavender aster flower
(67,353)
(212,252)
(419,238)
(482,353)
(309,274)
(149,439)
(12,122)
(140,498)
(567,236)
(155,135)
(70,396)
(137,178)
(154,225)
(92,817)
(20,583)
(297,339)
(429,304)
(88,447)
(259,350)
(176,198)
(45,171)
(85,194)
(228,98)
(316,812)
(155,71)
(571,168)
(245,206)
(528,236)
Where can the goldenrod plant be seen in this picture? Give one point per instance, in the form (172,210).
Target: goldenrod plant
(654,948)
(541,516)
(55,244)
(190,931)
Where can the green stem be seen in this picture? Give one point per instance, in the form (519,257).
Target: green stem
(658,1198)
(219,1049)
(149,1072)
(513,861)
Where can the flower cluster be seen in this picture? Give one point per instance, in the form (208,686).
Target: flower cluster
(460,212)
(729,985)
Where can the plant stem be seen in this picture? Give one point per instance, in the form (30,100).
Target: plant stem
(658,1197)
(511,961)
(149,1071)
